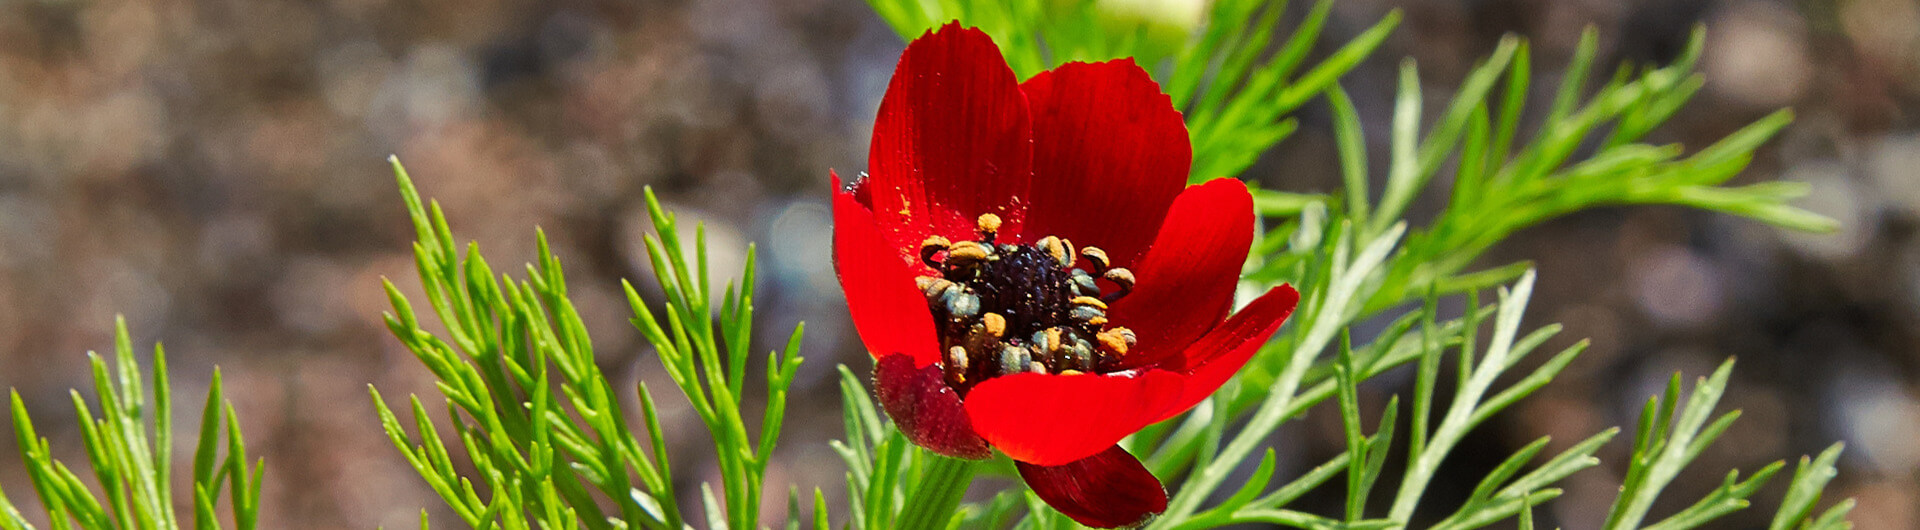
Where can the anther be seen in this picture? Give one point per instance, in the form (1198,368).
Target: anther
(1071,371)
(1083,284)
(933,245)
(960,303)
(1088,301)
(931,286)
(1087,314)
(936,288)
(1045,341)
(1117,340)
(1082,354)
(1037,368)
(994,324)
(968,253)
(1014,359)
(957,362)
(1059,250)
(1098,257)
(1121,277)
(989,225)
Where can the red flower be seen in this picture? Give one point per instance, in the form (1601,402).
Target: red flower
(987,328)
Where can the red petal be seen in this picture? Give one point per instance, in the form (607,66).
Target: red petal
(889,312)
(1056,419)
(1109,155)
(1213,359)
(1107,490)
(925,409)
(1186,280)
(951,141)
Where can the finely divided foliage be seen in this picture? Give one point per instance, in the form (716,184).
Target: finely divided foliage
(129,446)
(534,434)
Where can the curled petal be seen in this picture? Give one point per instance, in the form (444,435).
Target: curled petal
(1212,360)
(1186,279)
(888,311)
(951,142)
(925,409)
(1107,490)
(1109,155)
(1050,419)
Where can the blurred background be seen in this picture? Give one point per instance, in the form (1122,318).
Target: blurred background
(215,170)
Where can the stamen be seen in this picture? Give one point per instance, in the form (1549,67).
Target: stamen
(1082,354)
(957,363)
(989,225)
(1060,251)
(1083,313)
(966,254)
(1098,257)
(1014,359)
(960,303)
(1009,308)
(933,245)
(995,325)
(1122,278)
(1088,301)
(931,286)
(1117,340)
(1045,342)
(1083,284)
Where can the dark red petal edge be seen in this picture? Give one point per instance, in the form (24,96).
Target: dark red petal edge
(1055,419)
(1216,357)
(1107,490)
(951,141)
(1109,155)
(925,409)
(888,311)
(1186,280)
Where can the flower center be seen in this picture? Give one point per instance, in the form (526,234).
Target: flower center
(1003,308)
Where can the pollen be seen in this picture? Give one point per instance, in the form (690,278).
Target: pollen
(1005,307)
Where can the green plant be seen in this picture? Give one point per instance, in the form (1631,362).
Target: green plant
(130,449)
(541,437)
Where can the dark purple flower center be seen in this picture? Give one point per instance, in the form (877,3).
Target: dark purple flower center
(1003,308)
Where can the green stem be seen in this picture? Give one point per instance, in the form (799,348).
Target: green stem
(938,493)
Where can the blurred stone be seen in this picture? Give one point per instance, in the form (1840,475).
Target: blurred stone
(1892,162)
(1757,54)
(1676,287)
(1879,419)
(1831,193)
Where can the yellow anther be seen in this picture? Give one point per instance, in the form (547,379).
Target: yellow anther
(994,324)
(932,245)
(1071,371)
(967,253)
(1097,321)
(989,224)
(1088,301)
(1058,249)
(1115,340)
(932,286)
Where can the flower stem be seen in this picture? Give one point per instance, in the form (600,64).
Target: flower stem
(938,493)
